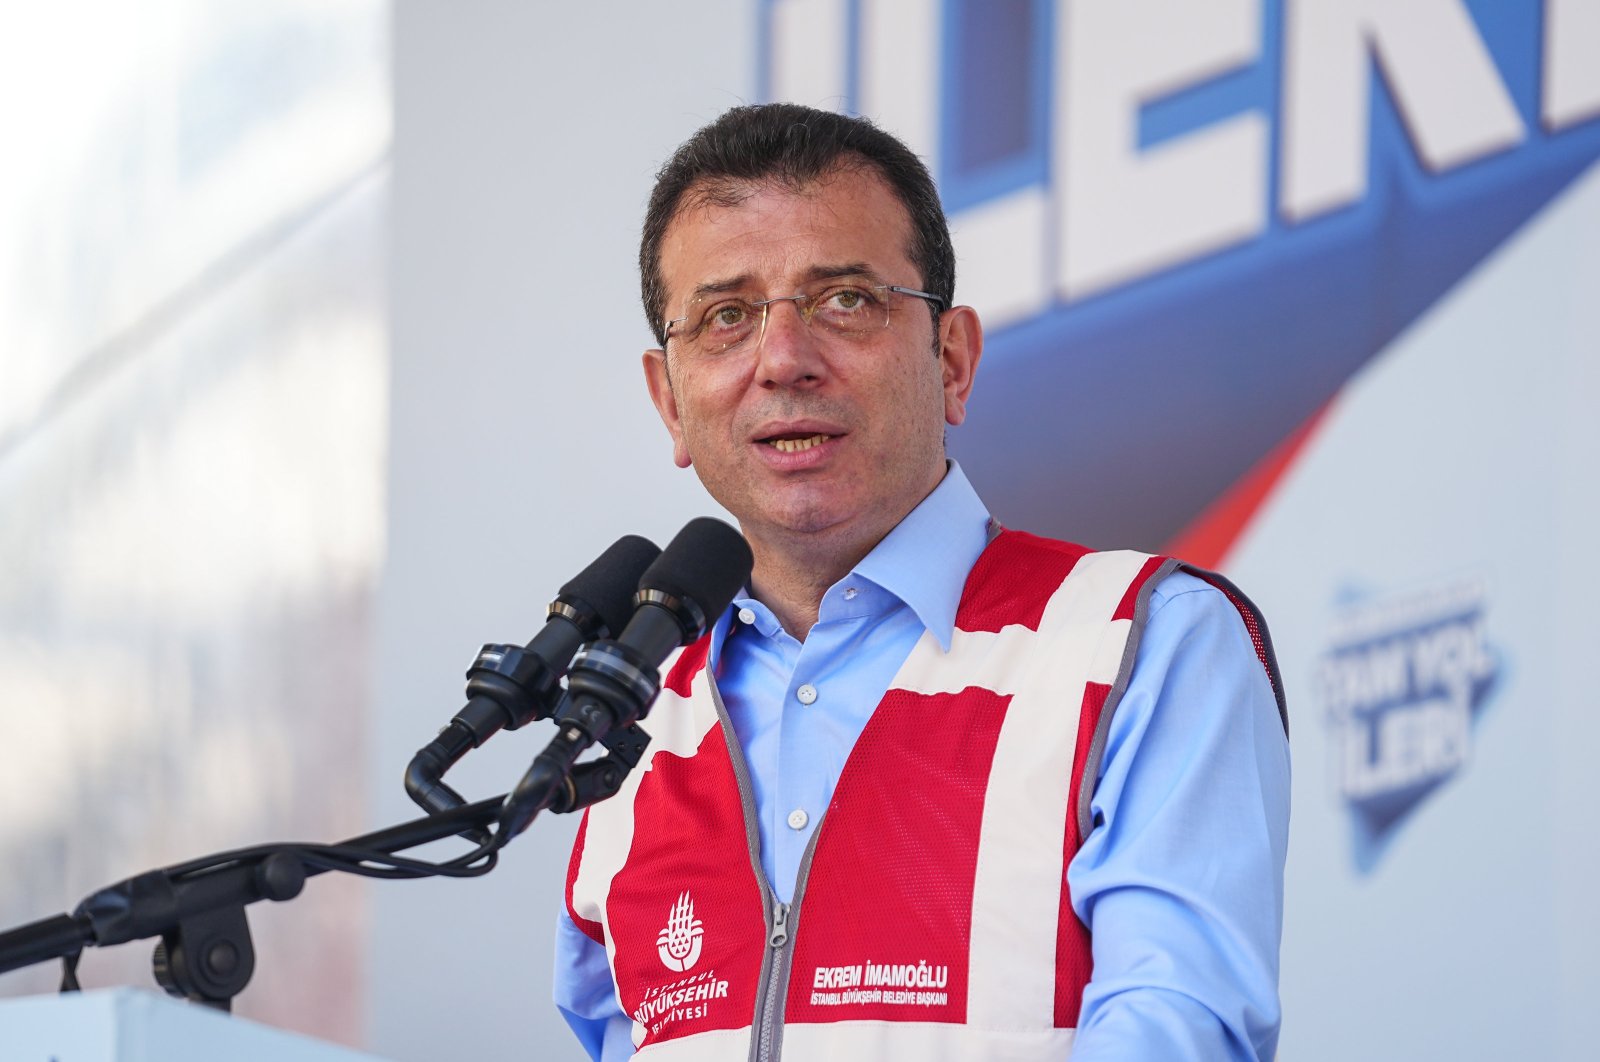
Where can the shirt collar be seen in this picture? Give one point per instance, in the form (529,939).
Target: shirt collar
(924,560)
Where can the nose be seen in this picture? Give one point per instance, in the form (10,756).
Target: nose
(789,351)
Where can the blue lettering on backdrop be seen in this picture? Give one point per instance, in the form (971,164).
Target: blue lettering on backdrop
(1403,684)
(1198,272)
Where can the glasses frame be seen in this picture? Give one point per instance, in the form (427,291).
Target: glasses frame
(806,305)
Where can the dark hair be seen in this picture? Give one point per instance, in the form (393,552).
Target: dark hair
(792,145)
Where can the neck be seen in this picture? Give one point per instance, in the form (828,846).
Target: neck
(793,569)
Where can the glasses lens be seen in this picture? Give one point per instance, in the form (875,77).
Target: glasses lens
(850,309)
(714,323)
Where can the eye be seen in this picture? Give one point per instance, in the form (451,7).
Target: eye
(848,309)
(840,303)
(725,317)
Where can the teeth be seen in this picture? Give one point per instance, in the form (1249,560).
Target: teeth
(792,446)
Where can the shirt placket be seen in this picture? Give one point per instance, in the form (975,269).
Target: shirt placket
(799,805)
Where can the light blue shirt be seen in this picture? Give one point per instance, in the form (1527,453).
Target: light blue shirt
(1181,879)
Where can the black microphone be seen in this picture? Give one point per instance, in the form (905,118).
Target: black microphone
(509,686)
(612,683)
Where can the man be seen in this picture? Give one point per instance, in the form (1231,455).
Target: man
(1055,782)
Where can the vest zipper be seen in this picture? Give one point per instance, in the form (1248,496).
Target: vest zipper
(766,1043)
(780,926)
(764,1046)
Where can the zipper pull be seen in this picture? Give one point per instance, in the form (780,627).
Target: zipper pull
(780,926)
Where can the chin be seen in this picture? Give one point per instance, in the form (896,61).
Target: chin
(814,517)
(809,522)
(843,530)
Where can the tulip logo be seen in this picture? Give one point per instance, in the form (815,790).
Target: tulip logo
(679,943)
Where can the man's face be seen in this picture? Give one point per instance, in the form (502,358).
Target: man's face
(879,403)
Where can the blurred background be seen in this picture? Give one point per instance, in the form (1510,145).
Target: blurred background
(319,338)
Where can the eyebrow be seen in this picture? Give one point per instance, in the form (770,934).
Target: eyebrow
(815,273)
(851,269)
(718,287)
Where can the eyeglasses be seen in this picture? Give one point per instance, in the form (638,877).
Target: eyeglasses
(850,309)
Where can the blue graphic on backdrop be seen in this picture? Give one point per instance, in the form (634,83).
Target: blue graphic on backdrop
(1114,417)
(1403,683)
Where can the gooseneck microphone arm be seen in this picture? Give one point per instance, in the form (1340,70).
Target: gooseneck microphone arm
(197,908)
(612,683)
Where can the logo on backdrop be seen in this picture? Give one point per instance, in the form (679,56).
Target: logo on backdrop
(679,942)
(1403,682)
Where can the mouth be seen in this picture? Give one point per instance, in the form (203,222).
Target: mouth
(795,443)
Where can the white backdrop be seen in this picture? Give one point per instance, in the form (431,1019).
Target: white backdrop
(522,440)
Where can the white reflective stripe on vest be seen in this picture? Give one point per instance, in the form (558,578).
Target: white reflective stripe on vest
(1016,897)
(677,726)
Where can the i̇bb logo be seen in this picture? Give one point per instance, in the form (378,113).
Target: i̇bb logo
(679,943)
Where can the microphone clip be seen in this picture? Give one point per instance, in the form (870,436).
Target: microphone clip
(601,779)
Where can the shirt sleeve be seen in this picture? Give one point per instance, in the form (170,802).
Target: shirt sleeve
(1180,880)
(586,997)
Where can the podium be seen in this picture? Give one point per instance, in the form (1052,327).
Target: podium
(134,1025)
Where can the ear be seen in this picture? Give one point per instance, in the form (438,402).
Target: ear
(960,348)
(659,382)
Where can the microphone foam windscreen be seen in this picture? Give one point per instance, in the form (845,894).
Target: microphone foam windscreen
(707,562)
(607,585)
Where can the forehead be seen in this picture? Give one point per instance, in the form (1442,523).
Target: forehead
(768,235)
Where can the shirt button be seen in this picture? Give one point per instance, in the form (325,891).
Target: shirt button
(747,615)
(806,694)
(798,819)
(850,593)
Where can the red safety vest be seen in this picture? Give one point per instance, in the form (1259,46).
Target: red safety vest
(932,917)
